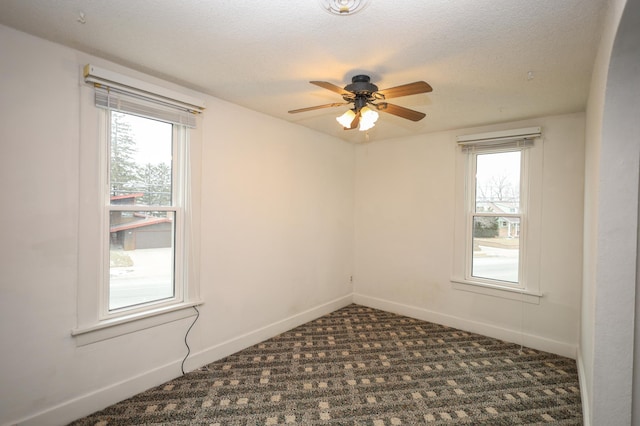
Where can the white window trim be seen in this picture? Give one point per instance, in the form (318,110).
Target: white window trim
(528,289)
(92,323)
(110,328)
(496,291)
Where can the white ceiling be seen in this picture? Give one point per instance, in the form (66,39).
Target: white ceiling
(476,54)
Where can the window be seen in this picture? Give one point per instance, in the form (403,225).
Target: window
(497,219)
(145,211)
(495,216)
(138,235)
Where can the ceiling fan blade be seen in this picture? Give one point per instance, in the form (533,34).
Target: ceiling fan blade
(354,123)
(405,90)
(294,111)
(330,86)
(403,112)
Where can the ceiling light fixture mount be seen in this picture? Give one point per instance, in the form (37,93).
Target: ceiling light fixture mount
(343,7)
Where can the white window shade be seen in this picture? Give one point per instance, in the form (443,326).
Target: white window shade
(515,138)
(122,93)
(137,105)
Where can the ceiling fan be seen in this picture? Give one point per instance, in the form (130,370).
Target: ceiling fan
(362,94)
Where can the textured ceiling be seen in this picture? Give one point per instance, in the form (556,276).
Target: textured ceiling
(488,61)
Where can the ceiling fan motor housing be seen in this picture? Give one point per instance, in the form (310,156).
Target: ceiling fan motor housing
(361,86)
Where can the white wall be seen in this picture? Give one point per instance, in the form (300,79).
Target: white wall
(609,298)
(276,244)
(405,203)
(277,220)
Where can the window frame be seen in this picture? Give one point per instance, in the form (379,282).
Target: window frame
(531,162)
(92,324)
(471,214)
(179,141)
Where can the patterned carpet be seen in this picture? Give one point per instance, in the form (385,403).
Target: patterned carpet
(368,367)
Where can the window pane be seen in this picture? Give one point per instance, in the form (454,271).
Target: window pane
(496,248)
(140,166)
(498,182)
(141,257)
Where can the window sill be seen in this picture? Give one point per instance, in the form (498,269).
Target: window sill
(111,328)
(497,291)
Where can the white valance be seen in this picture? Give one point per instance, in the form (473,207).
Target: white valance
(514,138)
(122,93)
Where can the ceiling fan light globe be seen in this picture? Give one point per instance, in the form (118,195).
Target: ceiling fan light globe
(368,115)
(366,125)
(347,118)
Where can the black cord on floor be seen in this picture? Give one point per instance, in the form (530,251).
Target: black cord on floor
(185,339)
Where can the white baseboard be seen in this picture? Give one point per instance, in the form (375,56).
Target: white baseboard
(94,401)
(231,346)
(584,392)
(515,336)
(101,398)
